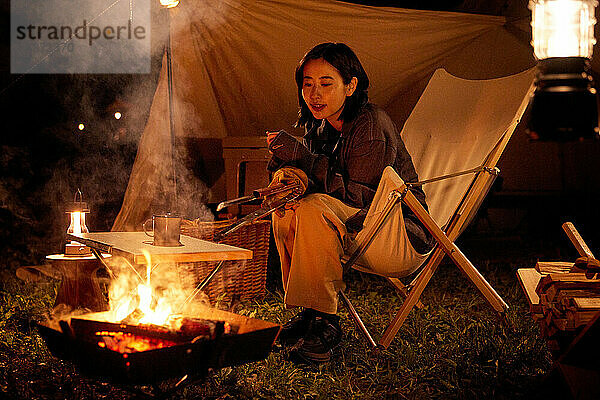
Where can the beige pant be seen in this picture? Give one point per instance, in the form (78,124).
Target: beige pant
(312,239)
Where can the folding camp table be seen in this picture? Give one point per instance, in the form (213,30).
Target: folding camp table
(132,245)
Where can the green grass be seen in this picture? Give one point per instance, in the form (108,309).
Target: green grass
(454,347)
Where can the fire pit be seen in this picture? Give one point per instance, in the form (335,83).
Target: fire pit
(215,339)
(156,329)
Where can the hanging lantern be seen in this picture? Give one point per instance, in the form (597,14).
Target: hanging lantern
(564,104)
(169,3)
(77,211)
(563,28)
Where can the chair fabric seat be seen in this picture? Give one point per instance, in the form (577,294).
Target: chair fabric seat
(457,125)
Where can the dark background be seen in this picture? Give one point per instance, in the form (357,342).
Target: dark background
(45,158)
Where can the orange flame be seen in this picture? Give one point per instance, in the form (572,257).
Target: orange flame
(141,302)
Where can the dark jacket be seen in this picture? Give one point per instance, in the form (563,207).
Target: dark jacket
(348,166)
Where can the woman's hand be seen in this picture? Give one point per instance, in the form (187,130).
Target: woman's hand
(270,137)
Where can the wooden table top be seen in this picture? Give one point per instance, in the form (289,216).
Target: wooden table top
(131,245)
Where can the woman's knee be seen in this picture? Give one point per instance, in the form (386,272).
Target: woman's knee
(310,207)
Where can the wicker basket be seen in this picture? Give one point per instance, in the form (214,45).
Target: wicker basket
(236,279)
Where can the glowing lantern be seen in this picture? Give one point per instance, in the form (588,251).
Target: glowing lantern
(563,28)
(77,210)
(564,105)
(117,115)
(81,127)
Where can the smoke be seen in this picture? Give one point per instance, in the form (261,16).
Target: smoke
(103,152)
(51,157)
(172,284)
(62,312)
(192,192)
(101,175)
(98,158)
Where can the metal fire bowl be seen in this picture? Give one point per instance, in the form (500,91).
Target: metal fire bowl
(253,342)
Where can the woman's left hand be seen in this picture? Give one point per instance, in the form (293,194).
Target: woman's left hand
(270,137)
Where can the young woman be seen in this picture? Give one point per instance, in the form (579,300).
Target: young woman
(352,156)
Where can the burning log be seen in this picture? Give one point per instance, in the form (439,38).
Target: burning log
(152,321)
(151,337)
(129,343)
(123,335)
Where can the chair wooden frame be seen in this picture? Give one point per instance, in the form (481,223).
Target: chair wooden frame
(465,211)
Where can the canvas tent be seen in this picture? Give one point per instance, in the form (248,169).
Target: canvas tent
(233,65)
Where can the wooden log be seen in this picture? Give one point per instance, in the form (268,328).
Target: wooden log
(577,240)
(587,302)
(565,298)
(590,266)
(557,282)
(581,318)
(553,267)
(579,293)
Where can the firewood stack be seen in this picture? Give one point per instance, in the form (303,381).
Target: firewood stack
(568,301)
(569,295)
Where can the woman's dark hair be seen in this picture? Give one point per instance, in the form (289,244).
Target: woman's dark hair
(342,58)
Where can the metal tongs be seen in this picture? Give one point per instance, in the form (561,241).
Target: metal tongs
(268,207)
(258,194)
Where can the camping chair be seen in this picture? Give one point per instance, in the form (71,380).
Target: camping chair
(456,134)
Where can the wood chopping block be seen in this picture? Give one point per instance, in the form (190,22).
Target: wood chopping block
(80,287)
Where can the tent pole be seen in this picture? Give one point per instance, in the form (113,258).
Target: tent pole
(173,198)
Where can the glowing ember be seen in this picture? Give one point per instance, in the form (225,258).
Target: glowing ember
(125,338)
(118,115)
(130,343)
(81,127)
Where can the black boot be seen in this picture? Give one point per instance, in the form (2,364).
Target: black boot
(316,346)
(296,327)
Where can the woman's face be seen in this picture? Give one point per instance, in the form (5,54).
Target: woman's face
(324,91)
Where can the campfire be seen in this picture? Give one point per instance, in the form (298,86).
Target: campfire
(147,313)
(136,299)
(153,321)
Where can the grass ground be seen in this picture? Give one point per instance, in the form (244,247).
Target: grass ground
(452,348)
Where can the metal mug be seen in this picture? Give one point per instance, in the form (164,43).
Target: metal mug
(165,229)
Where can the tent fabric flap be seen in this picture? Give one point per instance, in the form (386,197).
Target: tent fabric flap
(233,65)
